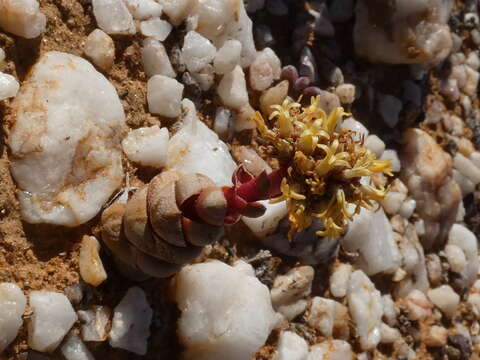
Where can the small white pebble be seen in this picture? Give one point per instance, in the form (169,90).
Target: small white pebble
(155,59)
(291,347)
(392,202)
(205,77)
(99,48)
(389,310)
(346,93)
(264,69)
(232,89)
(328,316)
(389,334)
(8,86)
(197,51)
(143,9)
(22,18)
(456,258)
(407,208)
(90,263)
(331,350)
(466,168)
(375,144)
(393,157)
(74,349)
(222,123)
(436,336)
(420,227)
(474,301)
(147,146)
(131,322)
(156,28)
(473,60)
(339,280)
(445,299)
(464,182)
(417,305)
(164,96)
(12,306)
(51,311)
(471,83)
(475,158)
(2,57)
(113,17)
(356,126)
(227,57)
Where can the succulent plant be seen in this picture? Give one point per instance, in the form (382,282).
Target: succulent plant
(323,167)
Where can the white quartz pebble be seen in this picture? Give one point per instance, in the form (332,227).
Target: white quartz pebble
(268,222)
(392,202)
(99,48)
(445,299)
(95,322)
(223,123)
(12,306)
(131,322)
(147,146)
(177,10)
(366,310)
(155,59)
(466,185)
(227,57)
(407,208)
(475,158)
(51,311)
(456,258)
(232,89)
(392,155)
(331,350)
(346,93)
(156,28)
(8,86)
(339,279)
(389,310)
(113,17)
(466,240)
(74,349)
(418,306)
(371,235)
(68,135)
(389,335)
(195,148)
(232,322)
(466,168)
(197,51)
(164,96)
(375,144)
(265,68)
(143,9)
(205,77)
(329,317)
(291,347)
(22,18)
(290,290)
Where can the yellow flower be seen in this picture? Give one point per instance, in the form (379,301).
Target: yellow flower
(324,166)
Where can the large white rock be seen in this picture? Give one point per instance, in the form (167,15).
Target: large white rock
(8,86)
(113,17)
(232,322)
(371,235)
(12,306)
(22,18)
(131,322)
(69,121)
(147,146)
(164,96)
(99,48)
(53,316)
(232,89)
(291,347)
(462,237)
(366,309)
(197,51)
(155,59)
(196,149)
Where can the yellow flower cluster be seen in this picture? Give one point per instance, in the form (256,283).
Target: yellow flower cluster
(325,166)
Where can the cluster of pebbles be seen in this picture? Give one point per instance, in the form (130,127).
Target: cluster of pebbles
(402,283)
